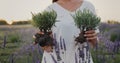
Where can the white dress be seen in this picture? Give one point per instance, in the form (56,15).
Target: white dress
(65,31)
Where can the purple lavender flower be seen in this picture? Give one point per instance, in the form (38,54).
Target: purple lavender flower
(38,61)
(40,50)
(32,48)
(116,47)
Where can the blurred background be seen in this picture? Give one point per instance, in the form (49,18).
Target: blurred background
(16,31)
(15,10)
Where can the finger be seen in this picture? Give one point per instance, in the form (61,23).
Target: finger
(92,38)
(90,35)
(40,32)
(91,31)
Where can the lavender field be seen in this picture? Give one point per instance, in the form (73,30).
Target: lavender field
(108,46)
(16,44)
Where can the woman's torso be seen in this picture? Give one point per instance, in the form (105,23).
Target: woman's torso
(65,30)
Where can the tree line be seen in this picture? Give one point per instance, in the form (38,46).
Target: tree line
(4,22)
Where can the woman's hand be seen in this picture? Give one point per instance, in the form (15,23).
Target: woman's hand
(91,36)
(48,47)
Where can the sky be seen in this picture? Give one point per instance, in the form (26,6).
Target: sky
(107,9)
(13,10)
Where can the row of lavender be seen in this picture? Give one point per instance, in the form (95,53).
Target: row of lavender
(27,54)
(15,44)
(106,51)
(108,47)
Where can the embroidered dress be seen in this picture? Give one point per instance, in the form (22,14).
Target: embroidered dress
(64,32)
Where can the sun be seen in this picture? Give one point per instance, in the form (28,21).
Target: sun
(9,22)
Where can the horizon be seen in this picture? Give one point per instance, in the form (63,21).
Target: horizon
(15,10)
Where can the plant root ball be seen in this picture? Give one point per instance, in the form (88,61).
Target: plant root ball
(44,39)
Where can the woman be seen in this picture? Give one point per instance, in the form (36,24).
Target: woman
(64,32)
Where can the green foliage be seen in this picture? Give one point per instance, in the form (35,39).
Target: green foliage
(86,19)
(3,22)
(21,23)
(114,37)
(6,52)
(45,20)
(13,38)
(113,22)
(24,33)
(102,55)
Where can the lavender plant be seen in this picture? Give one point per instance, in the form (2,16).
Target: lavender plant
(44,21)
(85,20)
